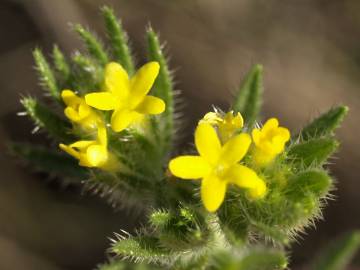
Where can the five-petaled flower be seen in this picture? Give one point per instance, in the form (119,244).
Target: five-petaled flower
(78,111)
(228,124)
(91,153)
(218,166)
(127,97)
(269,142)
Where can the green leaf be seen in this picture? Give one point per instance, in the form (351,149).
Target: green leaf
(264,260)
(46,75)
(325,124)
(160,218)
(48,161)
(249,98)
(254,260)
(61,66)
(317,182)
(312,152)
(43,117)
(94,46)
(163,88)
(118,39)
(122,265)
(338,254)
(87,74)
(140,248)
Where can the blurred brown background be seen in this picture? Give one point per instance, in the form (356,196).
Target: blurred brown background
(311,53)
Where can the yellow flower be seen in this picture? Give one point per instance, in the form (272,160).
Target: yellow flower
(78,111)
(92,153)
(127,97)
(228,124)
(269,142)
(218,166)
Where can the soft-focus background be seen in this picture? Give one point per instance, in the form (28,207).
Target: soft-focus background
(311,53)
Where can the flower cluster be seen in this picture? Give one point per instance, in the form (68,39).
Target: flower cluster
(126,97)
(222,145)
(219,137)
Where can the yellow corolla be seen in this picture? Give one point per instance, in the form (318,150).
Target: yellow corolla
(218,166)
(78,111)
(91,153)
(127,97)
(228,124)
(269,141)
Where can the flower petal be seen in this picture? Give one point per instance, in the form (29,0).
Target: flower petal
(142,82)
(242,176)
(117,80)
(245,177)
(72,114)
(259,191)
(284,133)
(82,144)
(101,100)
(69,150)
(270,124)
(96,155)
(235,149)
(213,192)
(151,105)
(189,167)
(207,142)
(256,135)
(69,97)
(102,135)
(121,119)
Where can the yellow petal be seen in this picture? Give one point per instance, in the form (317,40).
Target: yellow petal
(151,105)
(284,133)
(207,142)
(117,80)
(213,192)
(242,176)
(96,155)
(121,119)
(211,118)
(84,110)
(69,150)
(72,114)
(101,100)
(238,120)
(189,167)
(102,135)
(256,134)
(142,82)
(69,97)
(270,124)
(245,177)
(82,144)
(235,149)
(83,161)
(259,191)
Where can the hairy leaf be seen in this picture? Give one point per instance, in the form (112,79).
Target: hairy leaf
(94,46)
(43,117)
(249,98)
(118,40)
(46,74)
(49,161)
(325,124)
(338,255)
(313,152)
